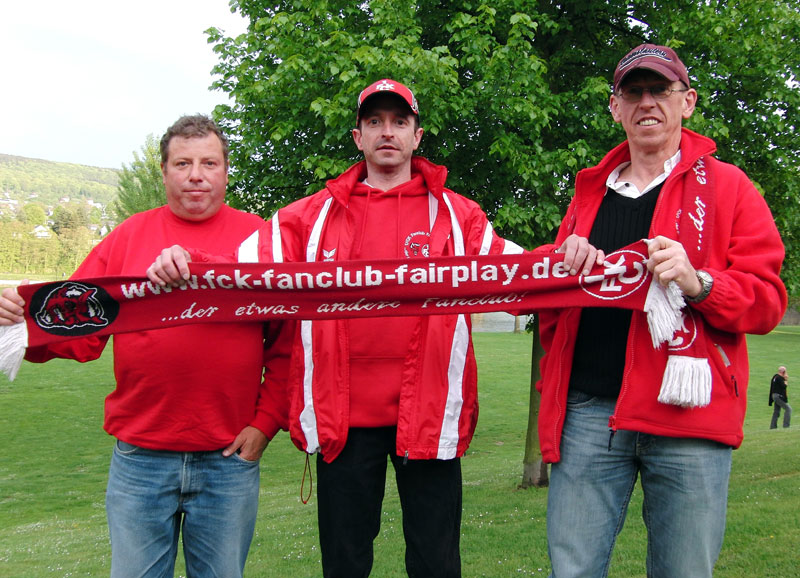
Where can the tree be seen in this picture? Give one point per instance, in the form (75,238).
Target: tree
(75,245)
(12,236)
(70,216)
(140,185)
(33,214)
(534,470)
(514,94)
(38,255)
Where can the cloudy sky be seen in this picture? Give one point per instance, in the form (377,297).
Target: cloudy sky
(85,81)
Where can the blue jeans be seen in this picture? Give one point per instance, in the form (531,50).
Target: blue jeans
(153,495)
(684,483)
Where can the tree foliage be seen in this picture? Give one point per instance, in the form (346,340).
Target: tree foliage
(23,252)
(33,214)
(70,216)
(513,94)
(140,184)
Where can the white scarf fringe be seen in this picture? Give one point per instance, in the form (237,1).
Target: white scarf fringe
(686,382)
(13,342)
(663,307)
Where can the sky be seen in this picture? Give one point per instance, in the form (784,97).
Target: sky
(86,81)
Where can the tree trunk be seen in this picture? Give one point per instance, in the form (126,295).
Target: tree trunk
(534,472)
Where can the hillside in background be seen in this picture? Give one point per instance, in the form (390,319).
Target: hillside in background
(24,180)
(51,214)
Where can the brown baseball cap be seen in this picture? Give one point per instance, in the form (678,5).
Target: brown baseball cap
(660,59)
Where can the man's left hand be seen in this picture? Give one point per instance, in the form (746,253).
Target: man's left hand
(669,262)
(250,443)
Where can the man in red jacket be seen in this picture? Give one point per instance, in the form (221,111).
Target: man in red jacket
(363,391)
(189,409)
(615,408)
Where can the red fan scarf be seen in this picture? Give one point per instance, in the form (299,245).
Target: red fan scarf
(239,292)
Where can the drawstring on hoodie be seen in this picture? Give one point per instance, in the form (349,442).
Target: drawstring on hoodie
(399,240)
(361,230)
(363,220)
(307,469)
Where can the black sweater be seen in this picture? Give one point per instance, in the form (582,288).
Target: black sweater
(603,333)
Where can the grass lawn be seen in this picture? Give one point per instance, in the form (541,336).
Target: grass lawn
(54,460)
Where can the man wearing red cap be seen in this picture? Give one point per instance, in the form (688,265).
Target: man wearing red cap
(614,408)
(402,388)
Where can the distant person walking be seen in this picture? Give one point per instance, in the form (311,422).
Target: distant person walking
(777,395)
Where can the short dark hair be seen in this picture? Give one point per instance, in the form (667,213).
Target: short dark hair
(190,126)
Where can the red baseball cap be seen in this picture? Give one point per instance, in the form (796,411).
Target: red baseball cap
(387,85)
(660,59)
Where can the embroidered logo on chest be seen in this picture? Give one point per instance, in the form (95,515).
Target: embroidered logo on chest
(417,244)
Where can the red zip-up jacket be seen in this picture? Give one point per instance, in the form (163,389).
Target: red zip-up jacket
(438,405)
(747,297)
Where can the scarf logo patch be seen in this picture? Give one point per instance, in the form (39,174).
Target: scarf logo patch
(73,309)
(686,334)
(619,278)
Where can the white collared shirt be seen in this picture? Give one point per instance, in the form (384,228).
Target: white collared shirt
(628,189)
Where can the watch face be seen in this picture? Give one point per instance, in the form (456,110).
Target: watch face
(706,281)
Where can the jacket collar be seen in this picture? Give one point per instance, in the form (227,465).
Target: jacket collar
(342,186)
(693,146)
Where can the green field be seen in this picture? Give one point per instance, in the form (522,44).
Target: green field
(54,457)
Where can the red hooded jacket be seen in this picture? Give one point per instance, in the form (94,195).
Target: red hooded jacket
(748,296)
(438,406)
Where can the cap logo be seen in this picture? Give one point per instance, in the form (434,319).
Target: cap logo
(643,52)
(387,85)
(384,85)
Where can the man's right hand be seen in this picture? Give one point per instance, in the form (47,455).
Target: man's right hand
(11,305)
(171,267)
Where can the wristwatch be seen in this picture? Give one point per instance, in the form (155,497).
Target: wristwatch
(706,282)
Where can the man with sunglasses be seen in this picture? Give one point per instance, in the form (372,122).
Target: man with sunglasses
(614,407)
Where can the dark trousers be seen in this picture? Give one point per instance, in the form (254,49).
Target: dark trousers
(350,493)
(778,402)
